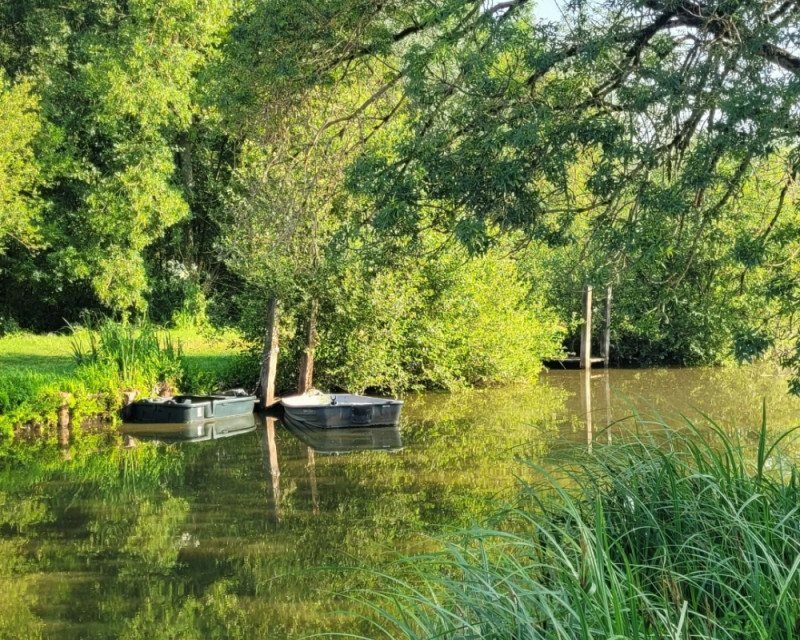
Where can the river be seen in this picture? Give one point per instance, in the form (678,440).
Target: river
(259,534)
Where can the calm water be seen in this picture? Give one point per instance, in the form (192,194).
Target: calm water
(250,536)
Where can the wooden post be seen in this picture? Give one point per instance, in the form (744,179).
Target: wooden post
(586,331)
(269,358)
(64,421)
(305,381)
(607,333)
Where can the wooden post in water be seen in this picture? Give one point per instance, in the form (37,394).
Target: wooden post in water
(305,381)
(269,358)
(64,424)
(586,331)
(607,332)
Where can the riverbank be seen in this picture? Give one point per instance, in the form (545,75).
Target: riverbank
(56,381)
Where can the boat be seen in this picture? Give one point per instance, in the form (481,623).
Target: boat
(345,439)
(185,408)
(196,431)
(335,411)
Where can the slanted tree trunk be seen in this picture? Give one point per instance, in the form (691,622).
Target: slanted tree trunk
(305,380)
(269,358)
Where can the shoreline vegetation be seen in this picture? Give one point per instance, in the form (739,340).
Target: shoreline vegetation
(680,531)
(52,385)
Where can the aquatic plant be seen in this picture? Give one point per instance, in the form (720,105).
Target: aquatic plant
(684,533)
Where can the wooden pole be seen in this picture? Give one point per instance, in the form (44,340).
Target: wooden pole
(586,332)
(269,358)
(607,334)
(305,381)
(64,424)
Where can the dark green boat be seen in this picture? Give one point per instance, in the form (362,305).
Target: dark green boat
(182,409)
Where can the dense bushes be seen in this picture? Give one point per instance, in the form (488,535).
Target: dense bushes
(418,323)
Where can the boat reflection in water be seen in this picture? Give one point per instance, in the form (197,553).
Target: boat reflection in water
(197,431)
(345,439)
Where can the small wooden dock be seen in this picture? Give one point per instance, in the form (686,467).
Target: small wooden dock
(585,359)
(572,362)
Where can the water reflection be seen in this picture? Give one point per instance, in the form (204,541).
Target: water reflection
(345,439)
(607,402)
(197,431)
(269,455)
(228,536)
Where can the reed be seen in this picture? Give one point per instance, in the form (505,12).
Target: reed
(138,355)
(674,533)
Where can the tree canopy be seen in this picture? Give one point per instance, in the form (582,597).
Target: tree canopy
(191,157)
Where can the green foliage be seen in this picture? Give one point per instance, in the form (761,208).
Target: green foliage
(20,178)
(138,356)
(441,324)
(118,89)
(105,361)
(676,534)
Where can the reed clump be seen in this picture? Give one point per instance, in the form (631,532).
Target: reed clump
(690,533)
(137,356)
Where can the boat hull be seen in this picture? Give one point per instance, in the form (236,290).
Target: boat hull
(185,409)
(343,411)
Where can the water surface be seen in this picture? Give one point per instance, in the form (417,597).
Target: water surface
(252,534)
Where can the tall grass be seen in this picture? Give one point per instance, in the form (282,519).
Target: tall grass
(138,355)
(684,534)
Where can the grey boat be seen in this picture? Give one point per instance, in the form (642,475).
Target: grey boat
(345,439)
(183,409)
(335,411)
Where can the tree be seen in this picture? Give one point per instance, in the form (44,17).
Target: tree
(20,177)
(117,83)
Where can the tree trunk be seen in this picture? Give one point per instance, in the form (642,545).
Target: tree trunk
(269,359)
(305,381)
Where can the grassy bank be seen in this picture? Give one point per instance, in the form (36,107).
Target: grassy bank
(90,370)
(685,533)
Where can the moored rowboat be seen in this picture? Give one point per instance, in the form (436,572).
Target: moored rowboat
(331,411)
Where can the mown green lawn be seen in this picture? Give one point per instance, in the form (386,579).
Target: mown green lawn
(51,354)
